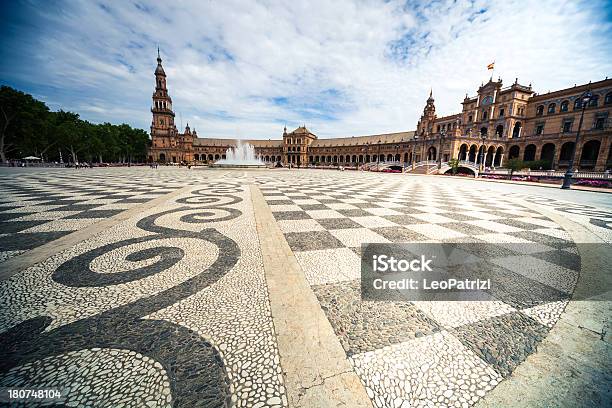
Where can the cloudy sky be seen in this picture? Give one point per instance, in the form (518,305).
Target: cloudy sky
(244,69)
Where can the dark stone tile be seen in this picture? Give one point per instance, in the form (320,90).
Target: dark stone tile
(328,200)
(272,203)
(11,216)
(561,258)
(312,240)
(77,207)
(310,207)
(403,219)
(11,227)
(509,287)
(25,241)
(134,200)
(291,215)
(460,217)
(503,341)
(518,224)
(60,202)
(465,228)
(338,223)
(94,214)
(488,250)
(366,205)
(542,239)
(354,212)
(400,234)
(366,325)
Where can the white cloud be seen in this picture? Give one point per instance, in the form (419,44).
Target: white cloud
(342,66)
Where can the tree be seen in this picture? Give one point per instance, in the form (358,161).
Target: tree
(515,165)
(21,119)
(28,128)
(454,165)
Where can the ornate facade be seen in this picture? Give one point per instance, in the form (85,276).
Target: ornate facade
(496,124)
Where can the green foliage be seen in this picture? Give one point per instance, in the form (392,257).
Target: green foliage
(538,164)
(454,165)
(515,165)
(28,128)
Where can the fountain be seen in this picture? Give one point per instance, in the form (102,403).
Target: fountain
(243,155)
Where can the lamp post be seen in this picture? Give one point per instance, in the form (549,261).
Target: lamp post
(415,138)
(483,136)
(442,136)
(378,156)
(567,180)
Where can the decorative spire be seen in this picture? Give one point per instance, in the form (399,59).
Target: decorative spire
(159,70)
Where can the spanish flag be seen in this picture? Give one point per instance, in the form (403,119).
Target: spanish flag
(491,66)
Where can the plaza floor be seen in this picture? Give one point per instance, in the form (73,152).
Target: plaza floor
(176,287)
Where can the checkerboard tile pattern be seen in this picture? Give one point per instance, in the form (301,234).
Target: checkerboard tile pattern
(326,219)
(39,207)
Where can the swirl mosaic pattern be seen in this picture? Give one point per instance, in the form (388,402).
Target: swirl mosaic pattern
(152,305)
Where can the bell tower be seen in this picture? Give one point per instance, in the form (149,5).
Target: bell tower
(163,129)
(425,125)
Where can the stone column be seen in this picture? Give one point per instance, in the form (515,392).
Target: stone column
(602,158)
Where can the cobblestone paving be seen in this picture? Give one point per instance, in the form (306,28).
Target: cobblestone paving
(37,207)
(171,307)
(426,353)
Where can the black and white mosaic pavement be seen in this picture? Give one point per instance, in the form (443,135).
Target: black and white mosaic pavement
(426,353)
(40,205)
(169,308)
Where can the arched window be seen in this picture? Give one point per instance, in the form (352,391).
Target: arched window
(577,104)
(564,106)
(551,108)
(608,98)
(485,114)
(499,130)
(594,100)
(540,110)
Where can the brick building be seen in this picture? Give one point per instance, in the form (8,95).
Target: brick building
(496,124)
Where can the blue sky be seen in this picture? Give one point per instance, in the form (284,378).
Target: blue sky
(245,69)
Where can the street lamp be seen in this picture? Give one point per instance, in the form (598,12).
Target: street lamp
(442,136)
(567,180)
(378,156)
(483,136)
(415,138)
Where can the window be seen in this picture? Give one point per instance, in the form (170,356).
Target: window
(594,100)
(470,119)
(540,110)
(487,100)
(539,129)
(567,126)
(551,108)
(577,104)
(501,112)
(438,128)
(484,114)
(599,123)
(564,106)
(608,98)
